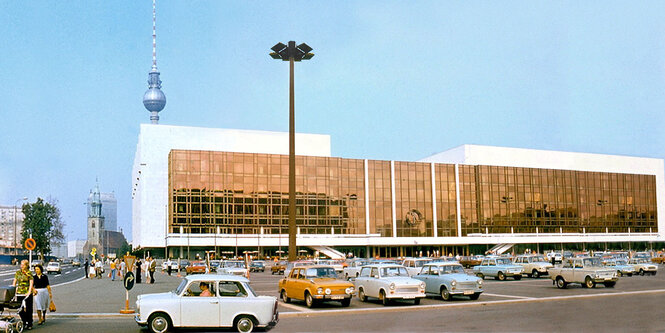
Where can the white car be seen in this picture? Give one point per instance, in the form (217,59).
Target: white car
(174,265)
(353,269)
(534,266)
(388,282)
(643,266)
(233,267)
(53,267)
(414,265)
(228,301)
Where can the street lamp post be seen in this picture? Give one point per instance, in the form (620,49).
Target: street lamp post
(292,53)
(15,222)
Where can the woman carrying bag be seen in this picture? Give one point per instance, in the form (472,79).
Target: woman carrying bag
(44,295)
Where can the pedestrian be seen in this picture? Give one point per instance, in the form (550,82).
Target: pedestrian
(151,269)
(168,267)
(112,270)
(123,268)
(138,270)
(98,268)
(23,281)
(86,265)
(91,271)
(44,295)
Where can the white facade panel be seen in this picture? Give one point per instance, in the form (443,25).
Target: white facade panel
(150,170)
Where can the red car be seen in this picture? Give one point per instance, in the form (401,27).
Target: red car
(196,267)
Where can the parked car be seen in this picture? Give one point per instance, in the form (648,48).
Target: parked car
(183,264)
(173,263)
(233,267)
(214,265)
(257,266)
(448,280)
(299,263)
(36,262)
(352,270)
(338,265)
(620,265)
(499,268)
(658,260)
(388,282)
(76,263)
(196,267)
(53,267)
(414,265)
(315,284)
(558,257)
(586,271)
(470,261)
(533,266)
(643,266)
(232,303)
(278,268)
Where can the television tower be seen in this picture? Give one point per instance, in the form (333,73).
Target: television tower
(154,99)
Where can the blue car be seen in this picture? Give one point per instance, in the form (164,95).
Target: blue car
(499,268)
(448,279)
(621,266)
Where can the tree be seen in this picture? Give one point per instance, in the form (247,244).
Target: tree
(123,250)
(42,219)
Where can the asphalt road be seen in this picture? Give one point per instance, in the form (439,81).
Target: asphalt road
(529,305)
(68,274)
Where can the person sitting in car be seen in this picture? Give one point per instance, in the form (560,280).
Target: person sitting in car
(205,292)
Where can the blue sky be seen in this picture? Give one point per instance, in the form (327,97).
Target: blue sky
(394,80)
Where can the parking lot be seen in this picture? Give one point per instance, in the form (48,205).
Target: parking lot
(510,291)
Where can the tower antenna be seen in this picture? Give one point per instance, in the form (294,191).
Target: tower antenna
(154,99)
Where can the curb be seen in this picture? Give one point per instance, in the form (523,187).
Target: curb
(90,315)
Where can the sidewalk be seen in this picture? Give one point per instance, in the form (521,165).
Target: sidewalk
(103,296)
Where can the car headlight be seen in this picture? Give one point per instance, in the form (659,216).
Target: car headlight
(422,285)
(350,290)
(596,275)
(480,282)
(454,283)
(319,290)
(392,286)
(328,291)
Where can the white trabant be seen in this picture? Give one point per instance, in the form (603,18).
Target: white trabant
(414,265)
(533,266)
(643,266)
(388,282)
(53,267)
(233,267)
(207,300)
(352,270)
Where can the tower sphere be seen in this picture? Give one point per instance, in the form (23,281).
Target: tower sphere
(154,99)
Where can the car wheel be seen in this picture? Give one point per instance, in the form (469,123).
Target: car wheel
(480,275)
(309,300)
(588,283)
(501,276)
(445,294)
(346,276)
(641,272)
(561,283)
(361,295)
(416,301)
(159,323)
(474,296)
(244,324)
(346,302)
(382,297)
(272,272)
(285,299)
(619,273)
(610,284)
(535,274)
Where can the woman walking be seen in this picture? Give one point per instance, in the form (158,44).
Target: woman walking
(44,294)
(138,270)
(23,282)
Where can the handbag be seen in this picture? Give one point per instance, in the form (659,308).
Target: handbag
(51,307)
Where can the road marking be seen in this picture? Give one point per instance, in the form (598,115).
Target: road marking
(507,296)
(8,279)
(295,307)
(64,283)
(67,272)
(457,305)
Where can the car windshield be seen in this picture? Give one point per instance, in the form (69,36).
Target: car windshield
(182,285)
(503,261)
(539,259)
(421,263)
(621,262)
(394,271)
(320,272)
(235,264)
(592,262)
(198,264)
(640,261)
(451,269)
(53,264)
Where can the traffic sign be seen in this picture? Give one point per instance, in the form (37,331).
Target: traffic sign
(129,280)
(30,244)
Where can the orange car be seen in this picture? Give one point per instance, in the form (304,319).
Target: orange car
(196,267)
(315,284)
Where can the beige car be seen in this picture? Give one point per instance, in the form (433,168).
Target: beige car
(534,266)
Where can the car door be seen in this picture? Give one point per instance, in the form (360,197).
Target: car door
(431,278)
(199,311)
(373,283)
(233,300)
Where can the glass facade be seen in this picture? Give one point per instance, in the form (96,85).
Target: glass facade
(243,193)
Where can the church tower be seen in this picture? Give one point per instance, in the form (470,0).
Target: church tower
(95,220)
